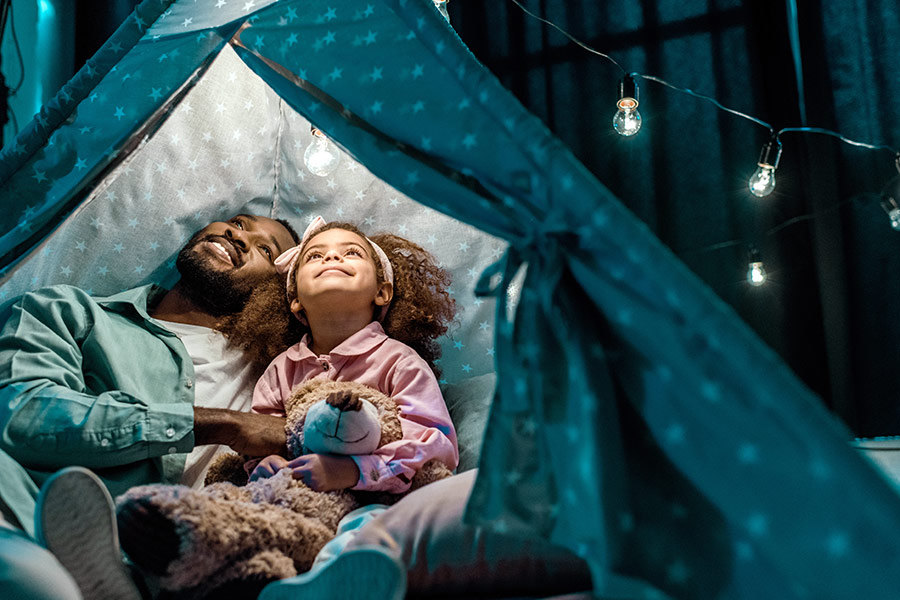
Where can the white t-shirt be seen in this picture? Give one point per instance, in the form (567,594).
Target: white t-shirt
(223,378)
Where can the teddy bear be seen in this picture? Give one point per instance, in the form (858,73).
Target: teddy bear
(232,531)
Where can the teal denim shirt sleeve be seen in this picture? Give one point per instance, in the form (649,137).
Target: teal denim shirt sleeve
(96,383)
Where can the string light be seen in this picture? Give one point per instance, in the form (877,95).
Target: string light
(627,120)
(756,270)
(762,182)
(889,196)
(321,156)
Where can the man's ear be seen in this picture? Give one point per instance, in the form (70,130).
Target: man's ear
(384,294)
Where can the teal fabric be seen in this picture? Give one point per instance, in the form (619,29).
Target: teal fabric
(17,494)
(637,420)
(70,393)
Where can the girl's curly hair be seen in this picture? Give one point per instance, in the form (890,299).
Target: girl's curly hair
(421,310)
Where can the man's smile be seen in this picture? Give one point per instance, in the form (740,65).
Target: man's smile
(223,249)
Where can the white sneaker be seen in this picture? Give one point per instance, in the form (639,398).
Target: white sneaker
(370,573)
(75,519)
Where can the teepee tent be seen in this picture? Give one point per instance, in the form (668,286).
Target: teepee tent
(636,420)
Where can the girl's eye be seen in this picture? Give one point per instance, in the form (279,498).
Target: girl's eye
(354,251)
(313,256)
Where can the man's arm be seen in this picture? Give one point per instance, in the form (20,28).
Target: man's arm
(53,363)
(247,433)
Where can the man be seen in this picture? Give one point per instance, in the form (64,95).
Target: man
(143,386)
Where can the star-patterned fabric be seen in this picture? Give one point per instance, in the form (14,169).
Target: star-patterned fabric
(636,420)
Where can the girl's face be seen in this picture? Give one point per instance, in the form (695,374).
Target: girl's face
(336,272)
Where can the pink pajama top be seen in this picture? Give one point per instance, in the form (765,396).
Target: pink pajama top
(370,357)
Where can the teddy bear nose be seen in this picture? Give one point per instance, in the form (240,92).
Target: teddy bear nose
(345,401)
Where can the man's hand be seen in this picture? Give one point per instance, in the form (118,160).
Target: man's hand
(244,432)
(325,472)
(268,467)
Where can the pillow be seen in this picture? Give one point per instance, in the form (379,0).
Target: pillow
(884,453)
(447,558)
(469,403)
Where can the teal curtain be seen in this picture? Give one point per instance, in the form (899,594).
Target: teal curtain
(626,385)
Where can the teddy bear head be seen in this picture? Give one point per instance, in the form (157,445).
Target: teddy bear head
(339,417)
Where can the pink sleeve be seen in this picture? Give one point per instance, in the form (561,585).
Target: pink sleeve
(428,432)
(272,388)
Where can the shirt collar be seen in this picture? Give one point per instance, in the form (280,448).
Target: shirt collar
(361,342)
(137,299)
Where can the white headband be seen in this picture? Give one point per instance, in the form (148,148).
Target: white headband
(287,261)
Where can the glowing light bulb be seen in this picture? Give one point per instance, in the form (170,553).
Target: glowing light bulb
(889,196)
(756,274)
(894,216)
(762,182)
(321,156)
(627,120)
(756,270)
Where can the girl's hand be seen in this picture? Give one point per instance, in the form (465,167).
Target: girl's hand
(268,467)
(325,472)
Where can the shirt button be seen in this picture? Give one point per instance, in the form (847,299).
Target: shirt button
(173,450)
(188,384)
(170,432)
(104,442)
(324,366)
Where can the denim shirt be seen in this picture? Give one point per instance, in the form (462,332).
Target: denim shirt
(91,382)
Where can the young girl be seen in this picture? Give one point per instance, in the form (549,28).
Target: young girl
(371,309)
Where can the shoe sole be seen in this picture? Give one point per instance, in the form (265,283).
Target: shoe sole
(362,574)
(76,521)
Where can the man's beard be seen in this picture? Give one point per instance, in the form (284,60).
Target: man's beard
(218,293)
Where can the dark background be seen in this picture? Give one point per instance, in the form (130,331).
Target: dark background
(830,307)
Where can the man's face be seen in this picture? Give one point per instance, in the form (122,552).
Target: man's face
(222,262)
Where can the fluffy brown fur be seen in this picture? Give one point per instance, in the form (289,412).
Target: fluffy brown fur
(267,529)
(422,309)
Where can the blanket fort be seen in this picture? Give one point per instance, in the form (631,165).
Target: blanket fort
(636,420)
